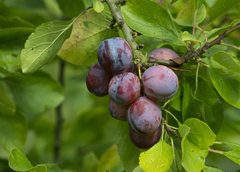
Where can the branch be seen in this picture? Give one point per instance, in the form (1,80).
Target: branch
(59,118)
(218,39)
(138,56)
(146,62)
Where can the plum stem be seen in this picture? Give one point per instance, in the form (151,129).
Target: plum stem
(215,151)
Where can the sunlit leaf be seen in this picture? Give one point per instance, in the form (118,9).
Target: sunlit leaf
(98,6)
(234,155)
(151,20)
(157,158)
(200,134)
(221,7)
(89,30)
(186,14)
(224,72)
(43,44)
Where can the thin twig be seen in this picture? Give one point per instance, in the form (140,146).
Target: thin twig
(59,118)
(194,26)
(218,39)
(230,45)
(205,36)
(215,151)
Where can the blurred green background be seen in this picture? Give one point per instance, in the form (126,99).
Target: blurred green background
(89,133)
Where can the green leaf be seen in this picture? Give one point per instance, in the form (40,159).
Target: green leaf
(210,105)
(7,106)
(186,36)
(185,16)
(224,72)
(13,34)
(14,22)
(109,159)
(212,169)
(98,6)
(128,152)
(157,158)
(71,8)
(232,145)
(90,162)
(221,7)
(138,169)
(89,30)
(200,134)
(43,44)
(18,161)
(54,168)
(151,20)
(234,155)
(199,3)
(6,73)
(190,106)
(13,131)
(193,158)
(35,93)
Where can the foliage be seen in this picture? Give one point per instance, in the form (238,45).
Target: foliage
(46,49)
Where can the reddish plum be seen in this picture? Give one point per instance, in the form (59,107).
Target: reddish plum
(118,111)
(163,53)
(114,55)
(98,80)
(124,88)
(145,141)
(160,83)
(144,116)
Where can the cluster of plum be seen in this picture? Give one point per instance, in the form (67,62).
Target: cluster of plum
(132,99)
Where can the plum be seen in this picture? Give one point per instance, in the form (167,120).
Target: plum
(145,141)
(163,53)
(114,55)
(118,111)
(160,83)
(97,80)
(144,116)
(124,88)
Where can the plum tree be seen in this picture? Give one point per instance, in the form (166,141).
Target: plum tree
(145,141)
(114,55)
(97,80)
(144,116)
(118,111)
(160,83)
(124,88)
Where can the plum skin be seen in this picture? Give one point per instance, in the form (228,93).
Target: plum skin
(124,88)
(118,111)
(163,53)
(114,55)
(144,115)
(97,80)
(160,83)
(145,141)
